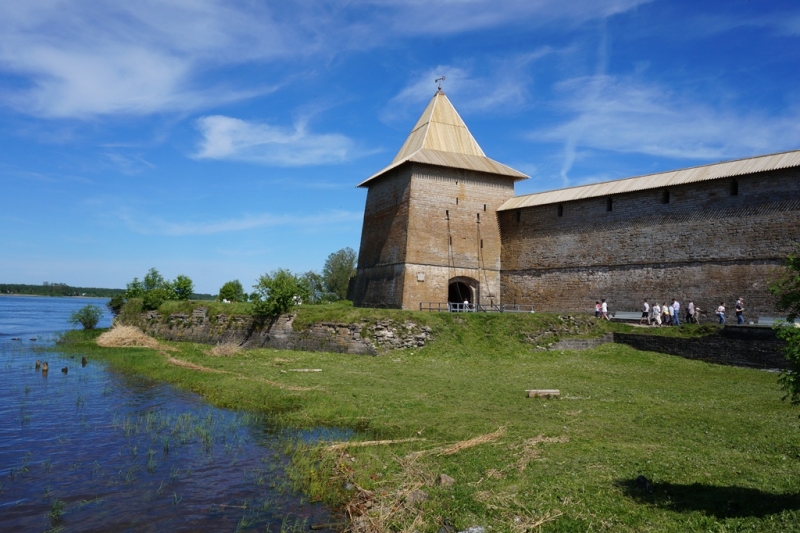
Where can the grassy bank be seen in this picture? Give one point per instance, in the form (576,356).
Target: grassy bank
(720,451)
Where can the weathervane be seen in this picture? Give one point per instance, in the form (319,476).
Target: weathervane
(439,81)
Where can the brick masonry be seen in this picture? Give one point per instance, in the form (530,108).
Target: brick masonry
(425,226)
(706,244)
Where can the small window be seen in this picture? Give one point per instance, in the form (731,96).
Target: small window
(665,196)
(451,241)
(734,187)
(517,215)
(479,218)
(456,200)
(609,204)
(481,244)
(447,214)
(561,210)
(484,207)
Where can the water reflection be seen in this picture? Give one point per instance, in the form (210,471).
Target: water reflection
(91,450)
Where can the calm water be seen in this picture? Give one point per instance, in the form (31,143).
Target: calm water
(91,450)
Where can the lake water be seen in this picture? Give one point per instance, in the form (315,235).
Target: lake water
(94,450)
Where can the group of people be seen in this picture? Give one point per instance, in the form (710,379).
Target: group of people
(668,314)
(738,309)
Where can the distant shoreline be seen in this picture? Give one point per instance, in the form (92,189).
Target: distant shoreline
(48,295)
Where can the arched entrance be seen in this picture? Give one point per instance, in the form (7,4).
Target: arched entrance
(462,289)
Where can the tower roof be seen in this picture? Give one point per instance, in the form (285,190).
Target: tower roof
(441,138)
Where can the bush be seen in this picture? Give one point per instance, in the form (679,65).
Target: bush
(87,316)
(277,292)
(115,304)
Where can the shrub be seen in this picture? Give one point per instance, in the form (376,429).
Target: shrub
(115,304)
(277,292)
(87,316)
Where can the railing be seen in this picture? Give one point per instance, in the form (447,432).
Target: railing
(451,307)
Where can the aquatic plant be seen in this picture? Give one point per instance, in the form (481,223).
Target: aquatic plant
(56,509)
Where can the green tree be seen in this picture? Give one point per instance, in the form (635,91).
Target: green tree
(315,286)
(87,316)
(182,287)
(154,290)
(787,289)
(232,291)
(277,292)
(339,268)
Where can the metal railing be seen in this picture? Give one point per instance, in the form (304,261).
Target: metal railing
(451,307)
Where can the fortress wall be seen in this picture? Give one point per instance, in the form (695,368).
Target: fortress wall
(379,279)
(705,244)
(455,204)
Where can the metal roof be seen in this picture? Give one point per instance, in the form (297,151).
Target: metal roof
(441,138)
(725,169)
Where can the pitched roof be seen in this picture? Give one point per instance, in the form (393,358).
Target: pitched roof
(441,138)
(725,169)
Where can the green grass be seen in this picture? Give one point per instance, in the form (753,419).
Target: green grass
(719,446)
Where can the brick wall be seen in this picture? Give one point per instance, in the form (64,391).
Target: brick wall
(705,243)
(379,279)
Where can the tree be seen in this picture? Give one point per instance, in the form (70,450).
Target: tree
(183,287)
(232,291)
(787,289)
(155,290)
(87,316)
(339,268)
(315,286)
(277,292)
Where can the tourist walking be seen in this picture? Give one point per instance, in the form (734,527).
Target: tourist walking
(645,312)
(597,309)
(657,314)
(676,320)
(690,311)
(665,314)
(721,312)
(604,310)
(739,311)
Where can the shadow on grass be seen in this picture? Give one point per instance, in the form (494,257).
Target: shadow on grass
(721,502)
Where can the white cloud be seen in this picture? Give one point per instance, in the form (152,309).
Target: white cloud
(239,140)
(322,221)
(454,16)
(82,58)
(629,116)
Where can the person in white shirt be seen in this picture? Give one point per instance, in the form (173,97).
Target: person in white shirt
(676,316)
(645,312)
(657,314)
(721,313)
(604,310)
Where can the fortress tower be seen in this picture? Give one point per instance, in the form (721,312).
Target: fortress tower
(430,229)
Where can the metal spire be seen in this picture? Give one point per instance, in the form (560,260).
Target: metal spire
(439,81)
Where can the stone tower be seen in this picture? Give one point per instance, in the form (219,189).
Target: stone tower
(430,232)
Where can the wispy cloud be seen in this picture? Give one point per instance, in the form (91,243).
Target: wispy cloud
(504,85)
(129,164)
(83,58)
(630,116)
(239,140)
(454,16)
(321,221)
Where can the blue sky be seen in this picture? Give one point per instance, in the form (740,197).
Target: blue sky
(224,139)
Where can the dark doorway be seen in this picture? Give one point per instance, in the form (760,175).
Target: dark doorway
(459,292)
